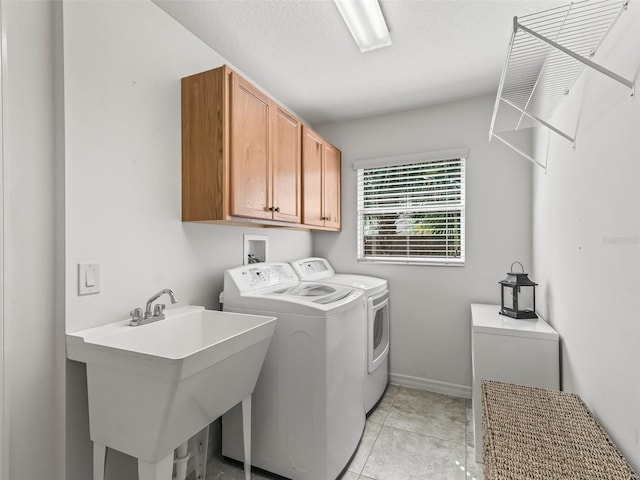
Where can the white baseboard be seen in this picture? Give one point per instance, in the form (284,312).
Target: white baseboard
(436,386)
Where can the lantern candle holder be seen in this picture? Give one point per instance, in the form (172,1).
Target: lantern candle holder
(518,295)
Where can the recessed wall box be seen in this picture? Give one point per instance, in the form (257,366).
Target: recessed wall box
(256,248)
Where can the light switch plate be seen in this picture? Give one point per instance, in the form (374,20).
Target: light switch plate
(88,278)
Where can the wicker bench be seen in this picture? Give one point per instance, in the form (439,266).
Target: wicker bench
(537,434)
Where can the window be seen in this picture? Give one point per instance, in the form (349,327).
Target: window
(411,208)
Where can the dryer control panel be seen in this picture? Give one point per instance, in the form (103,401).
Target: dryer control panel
(313,268)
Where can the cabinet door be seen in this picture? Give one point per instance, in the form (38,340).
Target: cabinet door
(331,198)
(250,169)
(285,164)
(312,147)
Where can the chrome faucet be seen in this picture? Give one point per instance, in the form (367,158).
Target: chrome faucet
(159,309)
(138,318)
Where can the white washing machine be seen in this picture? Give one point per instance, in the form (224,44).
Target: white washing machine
(376,293)
(307,413)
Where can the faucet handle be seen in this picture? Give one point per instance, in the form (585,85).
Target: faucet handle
(136,316)
(158,310)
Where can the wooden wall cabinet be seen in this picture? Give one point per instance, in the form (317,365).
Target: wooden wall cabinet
(241,153)
(321,177)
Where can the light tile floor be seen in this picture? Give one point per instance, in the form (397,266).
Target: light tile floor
(411,435)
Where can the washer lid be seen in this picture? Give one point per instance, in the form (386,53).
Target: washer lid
(319,269)
(370,285)
(315,292)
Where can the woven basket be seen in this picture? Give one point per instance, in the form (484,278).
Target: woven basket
(537,434)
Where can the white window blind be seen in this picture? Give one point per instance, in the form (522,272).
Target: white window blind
(411,212)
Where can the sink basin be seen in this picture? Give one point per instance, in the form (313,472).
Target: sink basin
(154,386)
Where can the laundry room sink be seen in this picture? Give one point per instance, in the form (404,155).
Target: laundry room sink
(153,386)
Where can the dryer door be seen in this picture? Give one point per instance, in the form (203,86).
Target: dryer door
(377,330)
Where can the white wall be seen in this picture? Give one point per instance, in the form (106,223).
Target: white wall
(34,340)
(587,237)
(123,64)
(430,313)
(122,208)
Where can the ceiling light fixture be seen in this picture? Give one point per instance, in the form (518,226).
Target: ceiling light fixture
(366,23)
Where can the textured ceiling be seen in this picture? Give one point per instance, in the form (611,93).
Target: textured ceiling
(301,52)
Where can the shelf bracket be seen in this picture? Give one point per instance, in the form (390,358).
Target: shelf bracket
(539,120)
(519,151)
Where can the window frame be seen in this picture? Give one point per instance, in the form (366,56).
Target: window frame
(457,155)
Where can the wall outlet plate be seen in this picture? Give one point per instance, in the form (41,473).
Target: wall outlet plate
(88,278)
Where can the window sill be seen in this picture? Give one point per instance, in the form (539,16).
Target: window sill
(428,263)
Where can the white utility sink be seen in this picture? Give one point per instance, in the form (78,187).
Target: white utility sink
(153,386)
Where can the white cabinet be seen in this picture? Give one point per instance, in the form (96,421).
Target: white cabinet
(521,351)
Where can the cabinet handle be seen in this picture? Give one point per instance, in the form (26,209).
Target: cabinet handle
(270,209)
(277,209)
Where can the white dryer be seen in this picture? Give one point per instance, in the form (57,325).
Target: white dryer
(307,413)
(376,293)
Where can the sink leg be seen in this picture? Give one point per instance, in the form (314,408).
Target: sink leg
(99,457)
(246,434)
(163,470)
